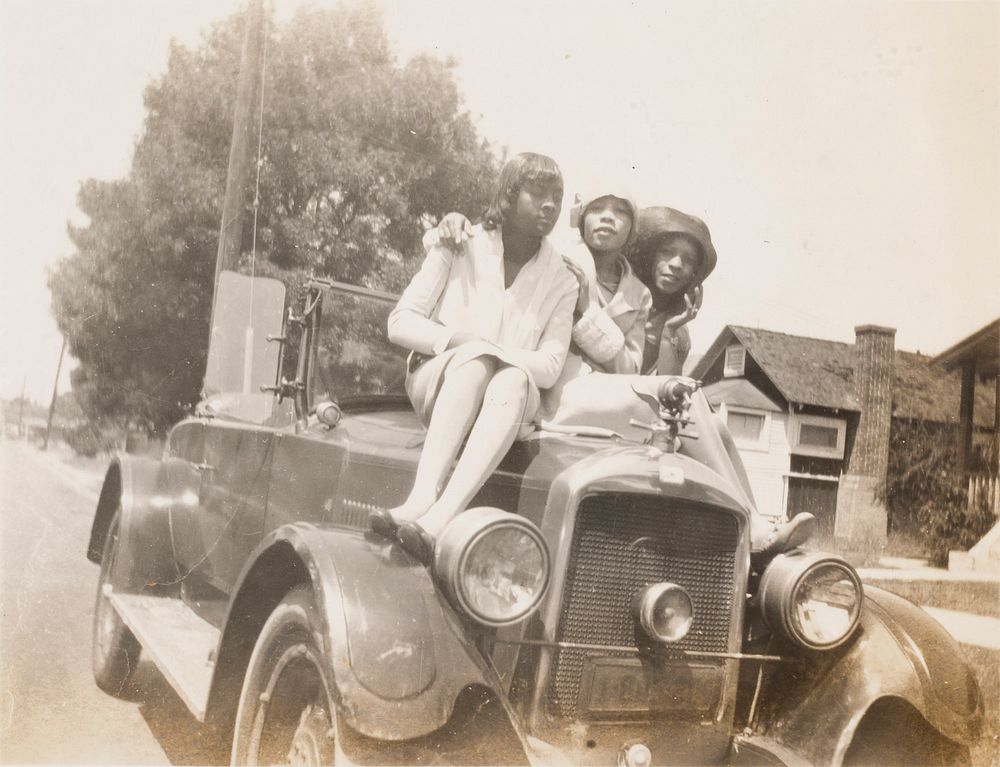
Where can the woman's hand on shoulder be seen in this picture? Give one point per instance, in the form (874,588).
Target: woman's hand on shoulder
(453,230)
(583,297)
(692,303)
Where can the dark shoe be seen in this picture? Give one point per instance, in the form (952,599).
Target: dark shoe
(417,541)
(381,522)
(789,535)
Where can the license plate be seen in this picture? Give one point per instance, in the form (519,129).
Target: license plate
(624,686)
(614,685)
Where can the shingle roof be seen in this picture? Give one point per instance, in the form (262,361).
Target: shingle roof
(807,371)
(814,371)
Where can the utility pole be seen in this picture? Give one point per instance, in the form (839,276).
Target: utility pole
(55,391)
(241,147)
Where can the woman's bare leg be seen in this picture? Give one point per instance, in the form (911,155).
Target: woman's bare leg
(455,409)
(491,437)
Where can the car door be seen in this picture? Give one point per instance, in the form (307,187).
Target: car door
(238,460)
(185,478)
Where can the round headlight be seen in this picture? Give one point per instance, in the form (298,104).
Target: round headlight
(814,599)
(493,564)
(664,611)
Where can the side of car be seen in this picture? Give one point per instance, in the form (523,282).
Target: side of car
(240,565)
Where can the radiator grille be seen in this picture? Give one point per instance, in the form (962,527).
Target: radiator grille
(623,542)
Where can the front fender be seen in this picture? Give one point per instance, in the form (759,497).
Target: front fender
(899,652)
(398,652)
(132,483)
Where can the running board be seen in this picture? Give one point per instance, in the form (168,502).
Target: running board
(181,644)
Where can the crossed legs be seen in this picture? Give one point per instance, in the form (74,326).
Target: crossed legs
(481,398)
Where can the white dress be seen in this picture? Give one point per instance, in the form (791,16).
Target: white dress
(527,325)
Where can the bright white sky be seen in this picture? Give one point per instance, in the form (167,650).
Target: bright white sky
(846,156)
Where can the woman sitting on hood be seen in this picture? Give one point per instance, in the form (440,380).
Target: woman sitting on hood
(613,304)
(673,255)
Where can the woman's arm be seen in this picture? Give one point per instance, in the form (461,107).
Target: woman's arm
(601,339)
(410,325)
(674,347)
(628,359)
(546,362)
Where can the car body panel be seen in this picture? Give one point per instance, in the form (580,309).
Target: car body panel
(814,707)
(400,657)
(134,484)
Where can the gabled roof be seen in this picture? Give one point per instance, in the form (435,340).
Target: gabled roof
(739,392)
(983,347)
(807,371)
(814,371)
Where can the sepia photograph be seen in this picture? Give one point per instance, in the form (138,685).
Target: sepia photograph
(453,382)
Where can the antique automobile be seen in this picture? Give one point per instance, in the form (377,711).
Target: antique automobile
(599,604)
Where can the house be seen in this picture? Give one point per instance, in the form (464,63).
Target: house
(977,356)
(812,419)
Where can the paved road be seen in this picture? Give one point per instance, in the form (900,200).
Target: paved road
(52,712)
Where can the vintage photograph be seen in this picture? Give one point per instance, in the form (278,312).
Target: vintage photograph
(468,383)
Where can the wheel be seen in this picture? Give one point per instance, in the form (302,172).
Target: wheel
(286,713)
(114,649)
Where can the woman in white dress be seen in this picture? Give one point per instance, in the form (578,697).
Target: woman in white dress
(488,327)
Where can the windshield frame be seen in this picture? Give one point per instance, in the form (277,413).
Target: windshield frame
(329,290)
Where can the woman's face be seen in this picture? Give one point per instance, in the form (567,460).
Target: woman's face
(607,223)
(536,208)
(674,265)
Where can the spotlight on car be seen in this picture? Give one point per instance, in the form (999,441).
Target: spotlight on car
(664,611)
(493,564)
(812,598)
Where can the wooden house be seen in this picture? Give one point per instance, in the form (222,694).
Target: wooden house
(812,418)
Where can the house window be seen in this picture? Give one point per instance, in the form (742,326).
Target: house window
(735,361)
(749,429)
(816,435)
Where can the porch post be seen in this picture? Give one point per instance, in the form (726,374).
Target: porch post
(965,412)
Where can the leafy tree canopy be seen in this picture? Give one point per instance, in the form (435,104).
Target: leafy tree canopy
(358,155)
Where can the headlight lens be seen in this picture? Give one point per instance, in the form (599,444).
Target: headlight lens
(664,611)
(826,605)
(494,564)
(814,599)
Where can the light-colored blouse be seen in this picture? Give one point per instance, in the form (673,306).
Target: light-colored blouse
(530,322)
(611,333)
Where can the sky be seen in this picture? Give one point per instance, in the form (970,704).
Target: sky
(845,155)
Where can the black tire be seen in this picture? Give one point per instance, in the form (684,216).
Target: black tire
(114,649)
(287,712)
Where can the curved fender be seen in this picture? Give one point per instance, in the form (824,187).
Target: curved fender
(900,652)
(145,553)
(399,654)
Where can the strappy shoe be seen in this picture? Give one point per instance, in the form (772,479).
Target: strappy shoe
(417,541)
(381,522)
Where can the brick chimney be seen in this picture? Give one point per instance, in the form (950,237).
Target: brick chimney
(874,349)
(861,523)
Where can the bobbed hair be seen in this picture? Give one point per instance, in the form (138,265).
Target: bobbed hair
(521,169)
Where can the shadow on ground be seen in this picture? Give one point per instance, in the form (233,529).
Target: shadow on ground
(179,734)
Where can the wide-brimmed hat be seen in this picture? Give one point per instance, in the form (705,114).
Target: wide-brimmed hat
(584,197)
(658,222)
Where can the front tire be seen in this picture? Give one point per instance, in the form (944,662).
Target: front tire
(114,648)
(286,712)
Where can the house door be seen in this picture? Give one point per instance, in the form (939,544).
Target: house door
(819,498)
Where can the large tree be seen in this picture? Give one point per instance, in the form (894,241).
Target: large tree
(359,154)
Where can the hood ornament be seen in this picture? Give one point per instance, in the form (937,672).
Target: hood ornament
(670,408)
